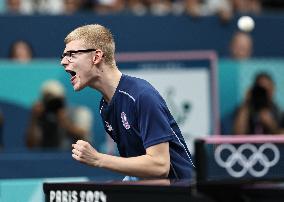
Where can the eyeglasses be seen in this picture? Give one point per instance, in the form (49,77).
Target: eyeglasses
(71,53)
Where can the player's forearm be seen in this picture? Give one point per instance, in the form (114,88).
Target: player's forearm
(154,164)
(144,166)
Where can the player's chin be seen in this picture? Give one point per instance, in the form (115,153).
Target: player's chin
(78,87)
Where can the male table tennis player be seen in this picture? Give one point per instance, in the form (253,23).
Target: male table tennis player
(133,112)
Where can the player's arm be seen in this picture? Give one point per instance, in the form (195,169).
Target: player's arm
(154,164)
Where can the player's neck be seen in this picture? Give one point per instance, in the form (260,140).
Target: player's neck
(111,80)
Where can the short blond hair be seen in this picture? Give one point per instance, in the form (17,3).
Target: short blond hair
(95,36)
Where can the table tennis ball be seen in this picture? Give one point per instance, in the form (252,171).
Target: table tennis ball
(246,24)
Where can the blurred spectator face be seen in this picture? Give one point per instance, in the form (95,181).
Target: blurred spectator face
(72,6)
(137,6)
(241,46)
(108,6)
(247,6)
(21,51)
(13,6)
(240,5)
(160,7)
(192,7)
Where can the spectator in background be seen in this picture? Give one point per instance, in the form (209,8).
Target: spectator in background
(247,6)
(19,7)
(241,46)
(160,7)
(53,124)
(52,7)
(13,6)
(108,6)
(197,8)
(259,114)
(137,7)
(192,7)
(72,6)
(222,8)
(21,51)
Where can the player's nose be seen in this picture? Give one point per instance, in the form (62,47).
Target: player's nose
(64,61)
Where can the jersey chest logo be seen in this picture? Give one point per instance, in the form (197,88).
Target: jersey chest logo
(109,127)
(124,120)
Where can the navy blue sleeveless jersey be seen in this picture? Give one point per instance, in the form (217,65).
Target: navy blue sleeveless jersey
(137,117)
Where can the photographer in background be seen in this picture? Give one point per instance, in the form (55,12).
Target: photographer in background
(52,124)
(259,114)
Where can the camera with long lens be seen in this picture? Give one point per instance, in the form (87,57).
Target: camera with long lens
(259,98)
(53,104)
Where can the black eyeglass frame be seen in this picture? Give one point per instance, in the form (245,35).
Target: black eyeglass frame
(69,53)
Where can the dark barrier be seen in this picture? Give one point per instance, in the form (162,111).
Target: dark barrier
(241,168)
(163,190)
(141,191)
(238,158)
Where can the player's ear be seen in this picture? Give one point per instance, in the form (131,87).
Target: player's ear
(98,56)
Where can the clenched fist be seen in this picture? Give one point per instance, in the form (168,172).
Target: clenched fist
(84,152)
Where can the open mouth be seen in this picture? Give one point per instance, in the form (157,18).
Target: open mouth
(72,73)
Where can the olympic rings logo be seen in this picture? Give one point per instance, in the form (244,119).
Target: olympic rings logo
(247,162)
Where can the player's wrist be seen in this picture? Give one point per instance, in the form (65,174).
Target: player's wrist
(99,160)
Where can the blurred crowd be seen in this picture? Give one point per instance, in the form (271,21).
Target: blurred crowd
(240,47)
(224,8)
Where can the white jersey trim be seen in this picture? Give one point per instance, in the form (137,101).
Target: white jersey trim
(183,148)
(131,97)
(101,108)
